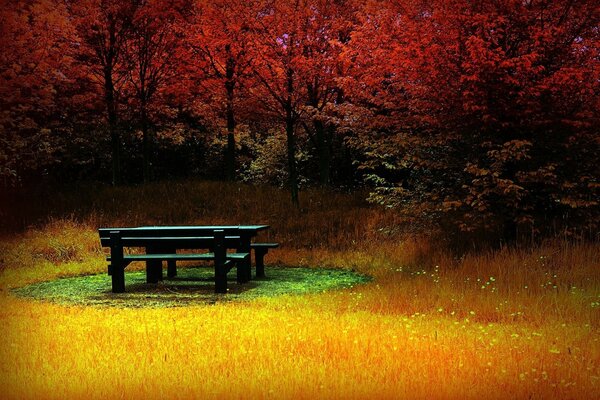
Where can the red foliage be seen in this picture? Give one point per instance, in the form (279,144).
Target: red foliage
(482,113)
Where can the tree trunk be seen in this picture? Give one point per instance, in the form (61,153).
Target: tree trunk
(291,153)
(146,144)
(324,155)
(111,110)
(230,152)
(291,138)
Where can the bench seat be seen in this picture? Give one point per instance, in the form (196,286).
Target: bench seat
(231,260)
(264,245)
(260,250)
(181,257)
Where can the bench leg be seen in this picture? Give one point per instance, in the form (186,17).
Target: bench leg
(244,271)
(171,269)
(154,271)
(260,262)
(153,268)
(220,278)
(118,279)
(171,264)
(240,273)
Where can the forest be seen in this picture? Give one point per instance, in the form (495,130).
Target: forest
(429,169)
(481,117)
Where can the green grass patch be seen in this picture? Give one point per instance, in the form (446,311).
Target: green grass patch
(193,285)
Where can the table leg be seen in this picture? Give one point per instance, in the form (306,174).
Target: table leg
(153,267)
(172,265)
(220,258)
(171,269)
(118,278)
(117,264)
(260,262)
(245,267)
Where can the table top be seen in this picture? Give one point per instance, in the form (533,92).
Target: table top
(188,228)
(202,227)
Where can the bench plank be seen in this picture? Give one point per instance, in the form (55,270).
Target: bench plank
(181,257)
(192,242)
(264,245)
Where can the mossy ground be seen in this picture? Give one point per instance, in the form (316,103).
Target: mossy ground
(193,285)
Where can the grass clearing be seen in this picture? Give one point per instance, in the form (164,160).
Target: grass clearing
(513,323)
(192,286)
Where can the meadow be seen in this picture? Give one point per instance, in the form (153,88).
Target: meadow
(516,322)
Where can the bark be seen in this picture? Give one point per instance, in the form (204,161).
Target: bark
(291,153)
(291,139)
(230,152)
(323,152)
(146,143)
(115,140)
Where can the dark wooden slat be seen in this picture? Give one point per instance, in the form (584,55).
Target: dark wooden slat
(264,245)
(181,257)
(191,242)
(166,257)
(237,256)
(181,230)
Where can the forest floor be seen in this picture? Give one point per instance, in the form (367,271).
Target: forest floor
(515,323)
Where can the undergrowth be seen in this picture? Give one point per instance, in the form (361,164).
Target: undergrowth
(516,322)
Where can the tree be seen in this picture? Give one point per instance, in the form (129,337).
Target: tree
(153,51)
(296,64)
(33,68)
(500,101)
(103,27)
(326,30)
(278,40)
(219,38)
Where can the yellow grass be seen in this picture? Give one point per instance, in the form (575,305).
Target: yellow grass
(514,323)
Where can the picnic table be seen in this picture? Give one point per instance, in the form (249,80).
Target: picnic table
(160,243)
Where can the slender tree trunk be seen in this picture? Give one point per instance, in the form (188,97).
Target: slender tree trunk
(291,153)
(115,140)
(324,155)
(146,144)
(291,138)
(230,152)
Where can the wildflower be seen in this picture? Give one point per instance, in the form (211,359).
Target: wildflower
(554,351)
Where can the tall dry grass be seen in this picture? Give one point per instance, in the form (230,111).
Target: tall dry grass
(509,323)
(325,218)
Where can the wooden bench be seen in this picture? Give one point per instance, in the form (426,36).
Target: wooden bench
(260,250)
(159,249)
(238,237)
